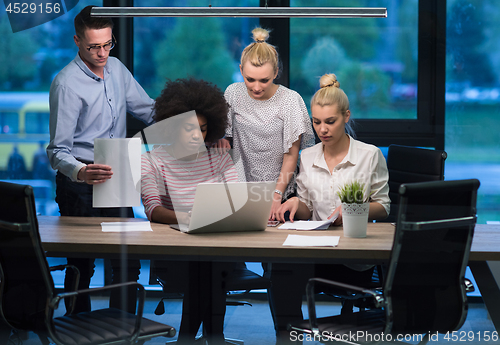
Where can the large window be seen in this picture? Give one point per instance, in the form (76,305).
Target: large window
(29,61)
(375,59)
(376,62)
(380,62)
(473,98)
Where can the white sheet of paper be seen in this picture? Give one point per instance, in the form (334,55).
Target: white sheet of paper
(123,189)
(306,225)
(311,241)
(125,226)
(309,224)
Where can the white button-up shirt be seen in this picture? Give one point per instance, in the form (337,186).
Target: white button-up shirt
(318,188)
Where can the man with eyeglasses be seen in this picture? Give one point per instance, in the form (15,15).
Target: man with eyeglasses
(89,99)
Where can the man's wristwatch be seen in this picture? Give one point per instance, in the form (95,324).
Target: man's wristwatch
(277,191)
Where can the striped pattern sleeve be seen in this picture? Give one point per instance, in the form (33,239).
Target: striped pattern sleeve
(171,183)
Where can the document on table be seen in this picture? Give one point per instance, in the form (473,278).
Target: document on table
(309,224)
(306,225)
(311,241)
(125,226)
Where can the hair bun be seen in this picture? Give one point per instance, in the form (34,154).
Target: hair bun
(329,80)
(260,35)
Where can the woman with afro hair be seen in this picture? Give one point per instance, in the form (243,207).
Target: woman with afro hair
(189,114)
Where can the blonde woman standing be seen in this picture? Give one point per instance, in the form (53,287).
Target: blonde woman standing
(268,123)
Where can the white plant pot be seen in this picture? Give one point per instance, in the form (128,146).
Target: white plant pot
(355,219)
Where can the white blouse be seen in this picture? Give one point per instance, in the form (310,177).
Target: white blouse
(263,131)
(318,188)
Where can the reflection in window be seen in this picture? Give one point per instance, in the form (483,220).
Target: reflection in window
(37,123)
(9,123)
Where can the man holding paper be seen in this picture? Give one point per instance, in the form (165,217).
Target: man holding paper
(89,99)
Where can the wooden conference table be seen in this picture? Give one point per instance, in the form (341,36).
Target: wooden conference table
(83,237)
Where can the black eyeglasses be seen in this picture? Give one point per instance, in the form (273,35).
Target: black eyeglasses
(96,48)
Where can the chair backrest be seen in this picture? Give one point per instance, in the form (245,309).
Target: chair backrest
(26,284)
(424,288)
(408,164)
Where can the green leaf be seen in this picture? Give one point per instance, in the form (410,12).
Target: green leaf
(353,193)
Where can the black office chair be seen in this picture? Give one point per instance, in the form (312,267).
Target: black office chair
(408,164)
(27,294)
(424,291)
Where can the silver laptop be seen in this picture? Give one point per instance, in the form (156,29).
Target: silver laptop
(230,207)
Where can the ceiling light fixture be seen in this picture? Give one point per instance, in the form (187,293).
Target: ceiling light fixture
(261,12)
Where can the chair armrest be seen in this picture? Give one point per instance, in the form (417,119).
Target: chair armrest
(438,224)
(311,303)
(74,283)
(62,267)
(55,301)
(141,296)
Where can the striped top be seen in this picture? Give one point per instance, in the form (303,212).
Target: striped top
(171,183)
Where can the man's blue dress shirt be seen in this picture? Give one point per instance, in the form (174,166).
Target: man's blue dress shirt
(84,106)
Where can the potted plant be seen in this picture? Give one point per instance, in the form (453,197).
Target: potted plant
(355,207)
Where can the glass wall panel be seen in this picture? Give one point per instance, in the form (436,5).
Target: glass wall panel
(375,59)
(473,98)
